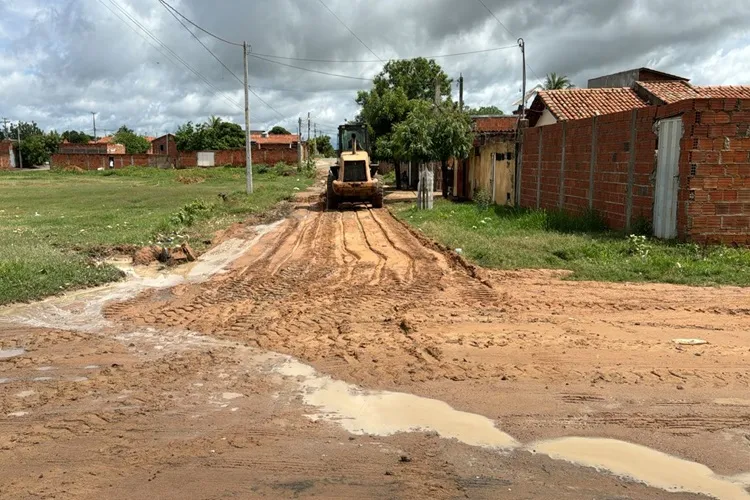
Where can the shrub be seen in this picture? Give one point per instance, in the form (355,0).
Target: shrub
(482,199)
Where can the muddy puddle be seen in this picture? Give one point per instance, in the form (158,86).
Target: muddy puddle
(382,413)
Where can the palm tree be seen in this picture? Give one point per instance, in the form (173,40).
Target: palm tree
(557,82)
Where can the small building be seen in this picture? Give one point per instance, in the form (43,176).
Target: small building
(626,78)
(271,149)
(104,145)
(7,155)
(490,166)
(164,145)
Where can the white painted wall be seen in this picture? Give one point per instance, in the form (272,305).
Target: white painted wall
(547,118)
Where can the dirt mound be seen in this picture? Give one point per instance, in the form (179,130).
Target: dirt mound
(190,179)
(68,168)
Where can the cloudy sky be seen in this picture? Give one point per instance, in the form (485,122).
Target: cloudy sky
(62,59)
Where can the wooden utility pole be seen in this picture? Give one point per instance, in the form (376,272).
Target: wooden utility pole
(248,139)
(522,44)
(461,92)
(299,143)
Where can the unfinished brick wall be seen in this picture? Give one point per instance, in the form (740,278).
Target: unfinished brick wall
(96,161)
(618,179)
(716,162)
(6,151)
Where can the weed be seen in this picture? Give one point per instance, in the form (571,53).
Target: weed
(482,199)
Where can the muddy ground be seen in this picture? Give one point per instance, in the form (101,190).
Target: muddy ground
(338,355)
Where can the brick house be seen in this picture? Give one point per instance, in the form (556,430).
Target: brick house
(164,145)
(274,148)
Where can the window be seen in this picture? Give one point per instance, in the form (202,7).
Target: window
(161,147)
(509,156)
(500,156)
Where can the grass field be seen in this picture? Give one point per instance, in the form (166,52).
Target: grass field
(508,238)
(51,223)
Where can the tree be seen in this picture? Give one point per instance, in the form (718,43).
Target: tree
(451,138)
(392,97)
(27,130)
(134,143)
(34,150)
(557,82)
(412,138)
(76,137)
(214,134)
(279,130)
(324,146)
(484,111)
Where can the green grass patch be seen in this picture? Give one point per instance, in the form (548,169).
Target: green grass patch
(509,238)
(52,223)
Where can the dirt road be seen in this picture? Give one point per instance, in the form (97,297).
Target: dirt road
(336,354)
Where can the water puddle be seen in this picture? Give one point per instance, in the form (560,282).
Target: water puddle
(231,395)
(11,353)
(25,394)
(5,380)
(641,464)
(387,413)
(18,414)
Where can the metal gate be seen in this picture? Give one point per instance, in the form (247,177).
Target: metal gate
(667,178)
(206,159)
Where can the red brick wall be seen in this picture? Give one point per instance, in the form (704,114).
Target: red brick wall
(714,168)
(95,161)
(164,146)
(6,149)
(716,149)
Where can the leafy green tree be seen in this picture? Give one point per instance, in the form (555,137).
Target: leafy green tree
(324,146)
(412,138)
(214,134)
(134,143)
(34,150)
(451,137)
(279,130)
(484,111)
(27,130)
(395,90)
(557,82)
(75,137)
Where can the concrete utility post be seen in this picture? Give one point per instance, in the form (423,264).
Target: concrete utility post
(20,156)
(522,44)
(248,140)
(93,117)
(299,143)
(308,132)
(5,125)
(315,139)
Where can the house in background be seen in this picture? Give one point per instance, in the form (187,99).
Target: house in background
(624,91)
(490,166)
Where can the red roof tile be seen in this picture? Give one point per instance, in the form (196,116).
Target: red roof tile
(275,139)
(485,124)
(670,92)
(573,104)
(725,91)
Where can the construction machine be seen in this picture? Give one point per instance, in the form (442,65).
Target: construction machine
(353,179)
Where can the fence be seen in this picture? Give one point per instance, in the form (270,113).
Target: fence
(608,164)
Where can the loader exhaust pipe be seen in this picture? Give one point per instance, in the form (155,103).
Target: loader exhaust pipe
(354,144)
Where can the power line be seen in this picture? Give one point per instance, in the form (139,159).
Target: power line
(205,80)
(310,70)
(511,34)
(350,30)
(200,28)
(470,52)
(166,6)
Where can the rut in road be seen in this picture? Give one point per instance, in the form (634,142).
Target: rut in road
(321,286)
(357,295)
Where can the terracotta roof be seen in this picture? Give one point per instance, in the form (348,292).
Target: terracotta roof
(102,140)
(275,139)
(485,124)
(670,92)
(149,138)
(573,104)
(725,91)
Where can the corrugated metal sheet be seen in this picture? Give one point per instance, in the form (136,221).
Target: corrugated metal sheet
(667,178)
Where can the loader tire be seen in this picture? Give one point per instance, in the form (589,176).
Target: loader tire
(377,200)
(332,202)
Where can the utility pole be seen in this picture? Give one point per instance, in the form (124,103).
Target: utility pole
(315,144)
(308,135)
(93,117)
(437,91)
(5,125)
(299,143)
(522,44)
(20,156)
(461,92)
(248,139)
